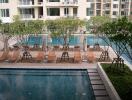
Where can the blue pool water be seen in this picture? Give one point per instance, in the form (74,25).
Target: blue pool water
(40,84)
(73,40)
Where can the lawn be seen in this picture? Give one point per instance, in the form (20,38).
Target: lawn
(122,81)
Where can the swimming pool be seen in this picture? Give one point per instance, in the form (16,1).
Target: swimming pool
(73,40)
(45,84)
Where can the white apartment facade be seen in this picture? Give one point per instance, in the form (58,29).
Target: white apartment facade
(52,9)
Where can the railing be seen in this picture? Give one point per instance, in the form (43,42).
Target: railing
(106,8)
(26,3)
(26,16)
(40,16)
(40,3)
(70,2)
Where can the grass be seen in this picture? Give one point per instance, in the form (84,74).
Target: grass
(122,81)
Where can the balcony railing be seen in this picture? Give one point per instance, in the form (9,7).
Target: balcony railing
(26,3)
(70,2)
(40,16)
(40,3)
(26,16)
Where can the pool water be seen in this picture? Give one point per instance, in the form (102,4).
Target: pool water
(40,84)
(73,40)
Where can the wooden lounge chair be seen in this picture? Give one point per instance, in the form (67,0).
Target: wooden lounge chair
(15,57)
(76,48)
(51,56)
(90,57)
(4,56)
(56,48)
(40,56)
(77,56)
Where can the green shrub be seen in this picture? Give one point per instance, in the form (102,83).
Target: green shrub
(122,81)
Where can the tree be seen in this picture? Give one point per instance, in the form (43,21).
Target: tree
(93,26)
(63,28)
(19,29)
(119,33)
(95,22)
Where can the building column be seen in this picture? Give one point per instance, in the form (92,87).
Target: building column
(70,11)
(61,11)
(36,13)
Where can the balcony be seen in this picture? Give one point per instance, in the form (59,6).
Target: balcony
(98,1)
(107,1)
(63,3)
(26,16)
(29,4)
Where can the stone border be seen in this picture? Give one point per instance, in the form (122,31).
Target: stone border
(109,86)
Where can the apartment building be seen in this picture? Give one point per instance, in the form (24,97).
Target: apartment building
(52,9)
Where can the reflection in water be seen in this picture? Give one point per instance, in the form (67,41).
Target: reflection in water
(45,85)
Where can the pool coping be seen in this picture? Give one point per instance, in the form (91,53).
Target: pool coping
(48,65)
(109,86)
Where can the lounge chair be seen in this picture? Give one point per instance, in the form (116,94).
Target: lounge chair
(15,57)
(4,56)
(90,57)
(40,56)
(56,48)
(51,56)
(77,57)
(77,48)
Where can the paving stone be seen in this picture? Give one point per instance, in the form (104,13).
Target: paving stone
(100,93)
(93,74)
(95,78)
(96,82)
(103,98)
(98,87)
(92,70)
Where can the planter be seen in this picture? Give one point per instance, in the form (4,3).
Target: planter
(109,86)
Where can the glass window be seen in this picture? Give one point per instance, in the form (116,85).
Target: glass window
(115,5)
(89,12)
(122,13)
(4,1)
(53,11)
(4,12)
(114,12)
(66,11)
(89,0)
(54,0)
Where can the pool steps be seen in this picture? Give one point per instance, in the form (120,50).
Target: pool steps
(98,85)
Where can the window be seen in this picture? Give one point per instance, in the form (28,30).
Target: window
(115,13)
(107,5)
(98,12)
(74,11)
(122,6)
(115,5)
(89,0)
(4,1)
(92,5)
(66,11)
(53,11)
(107,12)
(122,13)
(89,12)
(4,12)
(54,0)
